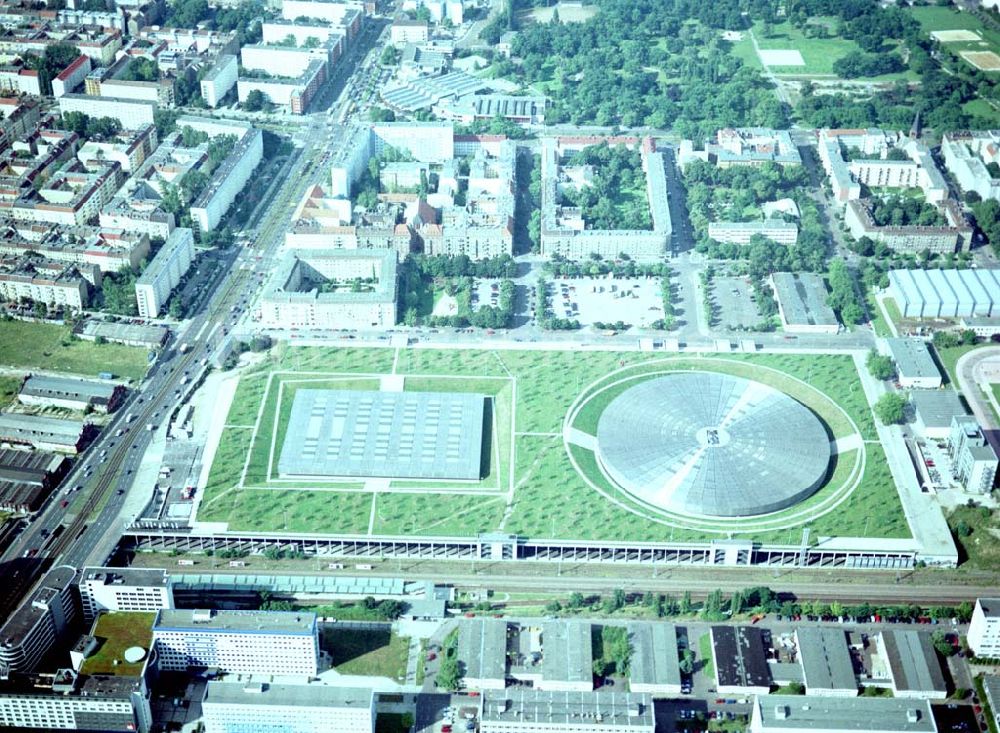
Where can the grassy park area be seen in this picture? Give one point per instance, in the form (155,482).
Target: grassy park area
(536,486)
(377,652)
(46,346)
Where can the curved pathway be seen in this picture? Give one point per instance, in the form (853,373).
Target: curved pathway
(976,368)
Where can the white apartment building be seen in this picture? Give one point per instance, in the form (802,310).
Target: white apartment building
(69,78)
(123,589)
(67,701)
(974,460)
(244,642)
(232,175)
(428,142)
(332,11)
(740,232)
(277,31)
(153,288)
(233,707)
(966,155)
(219,79)
(52,283)
(18,80)
(405,31)
(439,10)
(984,629)
(133,114)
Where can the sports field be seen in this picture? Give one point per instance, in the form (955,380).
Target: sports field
(961,33)
(537,482)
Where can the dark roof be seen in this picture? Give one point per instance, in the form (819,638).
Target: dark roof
(740,658)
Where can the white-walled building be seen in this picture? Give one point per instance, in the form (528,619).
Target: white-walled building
(123,589)
(915,367)
(31,631)
(161,276)
(264,707)
(984,628)
(133,114)
(243,642)
(974,460)
(219,80)
(72,76)
(966,155)
(740,232)
(526,710)
(798,714)
(403,31)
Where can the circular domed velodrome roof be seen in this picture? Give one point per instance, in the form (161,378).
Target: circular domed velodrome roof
(712,444)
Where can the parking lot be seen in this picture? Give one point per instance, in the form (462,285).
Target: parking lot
(735,307)
(635,301)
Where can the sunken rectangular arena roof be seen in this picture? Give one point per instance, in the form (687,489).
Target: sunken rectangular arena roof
(418,435)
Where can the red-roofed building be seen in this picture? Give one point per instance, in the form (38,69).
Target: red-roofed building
(71,76)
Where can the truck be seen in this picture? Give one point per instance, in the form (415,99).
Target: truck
(183,348)
(106,375)
(150,427)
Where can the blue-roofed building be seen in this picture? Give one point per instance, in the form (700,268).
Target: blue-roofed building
(946,293)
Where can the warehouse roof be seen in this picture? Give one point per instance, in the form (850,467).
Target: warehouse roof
(654,654)
(912,358)
(482,648)
(913,662)
(68,388)
(826,660)
(567,654)
(29,427)
(936,408)
(306,696)
(524,706)
(803,299)
(740,659)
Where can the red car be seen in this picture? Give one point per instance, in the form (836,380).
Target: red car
(64,503)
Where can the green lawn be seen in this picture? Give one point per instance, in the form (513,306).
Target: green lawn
(53,348)
(978,549)
(551,499)
(705,655)
(983,109)
(366,651)
(9,387)
(819,54)
(949,359)
(116,632)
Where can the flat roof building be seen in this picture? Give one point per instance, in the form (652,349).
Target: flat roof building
(913,664)
(164,272)
(130,334)
(974,460)
(826,662)
(935,411)
(123,589)
(39,622)
(946,293)
(524,710)
(984,628)
(654,665)
(248,707)
(796,714)
(567,657)
(482,652)
(915,367)
(71,393)
(429,435)
(802,303)
(740,660)
(27,478)
(248,642)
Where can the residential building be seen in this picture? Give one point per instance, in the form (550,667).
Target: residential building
(346,15)
(219,80)
(826,662)
(259,707)
(954,236)
(232,174)
(525,710)
(123,589)
(654,664)
(966,155)
(71,393)
(946,293)
(973,458)
(912,663)
(39,622)
(131,113)
(44,281)
(44,433)
(429,142)
(72,76)
(100,44)
(130,149)
(984,628)
(71,195)
(753,146)
(243,642)
(482,653)
(915,367)
(27,478)
(796,714)
(16,79)
(107,249)
(278,30)
(741,232)
(164,272)
(564,231)
(313,289)
(294,93)
(439,9)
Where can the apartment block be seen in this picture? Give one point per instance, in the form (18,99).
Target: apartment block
(39,622)
(967,155)
(984,628)
(162,275)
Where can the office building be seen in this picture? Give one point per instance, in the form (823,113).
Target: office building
(984,628)
(524,710)
(654,664)
(44,433)
(796,714)
(915,367)
(162,275)
(826,662)
(403,31)
(913,664)
(245,642)
(567,657)
(482,653)
(313,289)
(265,707)
(974,461)
(71,393)
(946,293)
(39,622)
(123,589)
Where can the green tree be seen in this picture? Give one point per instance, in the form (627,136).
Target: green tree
(880,366)
(256,101)
(942,644)
(891,408)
